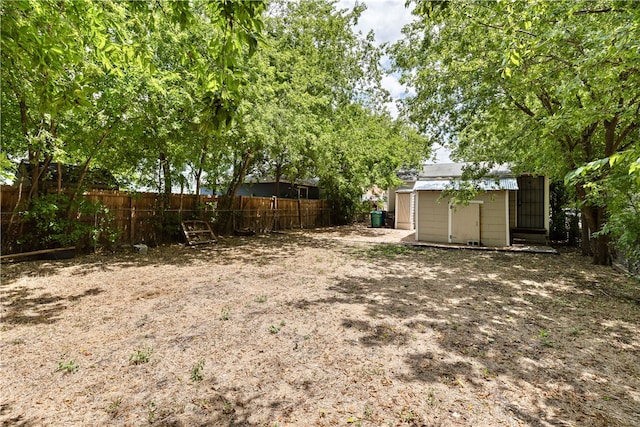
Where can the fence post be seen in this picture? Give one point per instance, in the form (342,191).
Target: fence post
(132,220)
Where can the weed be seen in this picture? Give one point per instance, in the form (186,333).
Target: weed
(543,337)
(407,416)
(388,251)
(574,331)
(274,329)
(431,398)
(226,314)
(368,412)
(196,371)
(140,356)
(307,337)
(114,406)
(68,367)
(261,298)
(227,408)
(17,341)
(151,415)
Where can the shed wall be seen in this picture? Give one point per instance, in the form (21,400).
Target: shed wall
(432,217)
(493,218)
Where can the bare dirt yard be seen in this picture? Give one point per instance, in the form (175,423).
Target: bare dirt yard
(340,326)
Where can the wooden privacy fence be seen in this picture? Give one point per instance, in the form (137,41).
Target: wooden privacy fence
(154,218)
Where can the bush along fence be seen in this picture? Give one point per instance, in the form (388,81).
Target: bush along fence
(109,218)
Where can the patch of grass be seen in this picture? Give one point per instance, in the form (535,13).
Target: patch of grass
(274,329)
(140,356)
(261,298)
(151,413)
(227,408)
(574,331)
(226,314)
(114,406)
(388,251)
(196,371)
(407,416)
(543,337)
(69,367)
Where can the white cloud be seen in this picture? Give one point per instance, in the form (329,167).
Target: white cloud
(395,88)
(385,17)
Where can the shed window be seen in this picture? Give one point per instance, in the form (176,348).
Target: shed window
(531,202)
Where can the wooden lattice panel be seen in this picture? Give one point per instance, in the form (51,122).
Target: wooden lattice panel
(198,232)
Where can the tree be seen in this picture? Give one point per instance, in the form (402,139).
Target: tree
(547,86)
(78,77)
(316,108)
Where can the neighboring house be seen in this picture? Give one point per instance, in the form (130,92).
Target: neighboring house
(507,210)
(96,178)
(266,187)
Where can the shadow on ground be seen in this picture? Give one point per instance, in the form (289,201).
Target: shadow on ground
(538,322)
(20,307)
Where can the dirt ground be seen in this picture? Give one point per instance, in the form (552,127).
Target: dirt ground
(331,327)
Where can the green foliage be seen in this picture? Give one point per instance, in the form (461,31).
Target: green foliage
(387,251)
(545,86)
(273,329)
(196,371)
(48,225)
(614,182)
(140,356)
(68,367)
(163,93)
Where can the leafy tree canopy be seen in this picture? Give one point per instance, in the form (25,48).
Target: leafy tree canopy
(546,86)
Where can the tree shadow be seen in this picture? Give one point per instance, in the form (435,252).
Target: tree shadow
(6,419)
(22,308)
(535,322)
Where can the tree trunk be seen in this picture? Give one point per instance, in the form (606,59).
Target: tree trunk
(166,173)
(203,157)
(239,173)
(595,217)
(585,240)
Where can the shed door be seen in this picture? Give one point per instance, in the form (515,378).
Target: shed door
(465,223)
(404,220)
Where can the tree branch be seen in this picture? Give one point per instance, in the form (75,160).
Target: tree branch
(522,107)
(624,134)
(588,11)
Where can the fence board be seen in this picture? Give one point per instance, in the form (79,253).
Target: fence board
(154,218)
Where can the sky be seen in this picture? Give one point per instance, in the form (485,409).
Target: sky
(386,18)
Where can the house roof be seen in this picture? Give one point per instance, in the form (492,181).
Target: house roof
(258,179)
(486,184)
(454,170)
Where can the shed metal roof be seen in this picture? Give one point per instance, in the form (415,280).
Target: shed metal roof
(455,184)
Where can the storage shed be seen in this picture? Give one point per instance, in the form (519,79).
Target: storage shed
(506,206)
